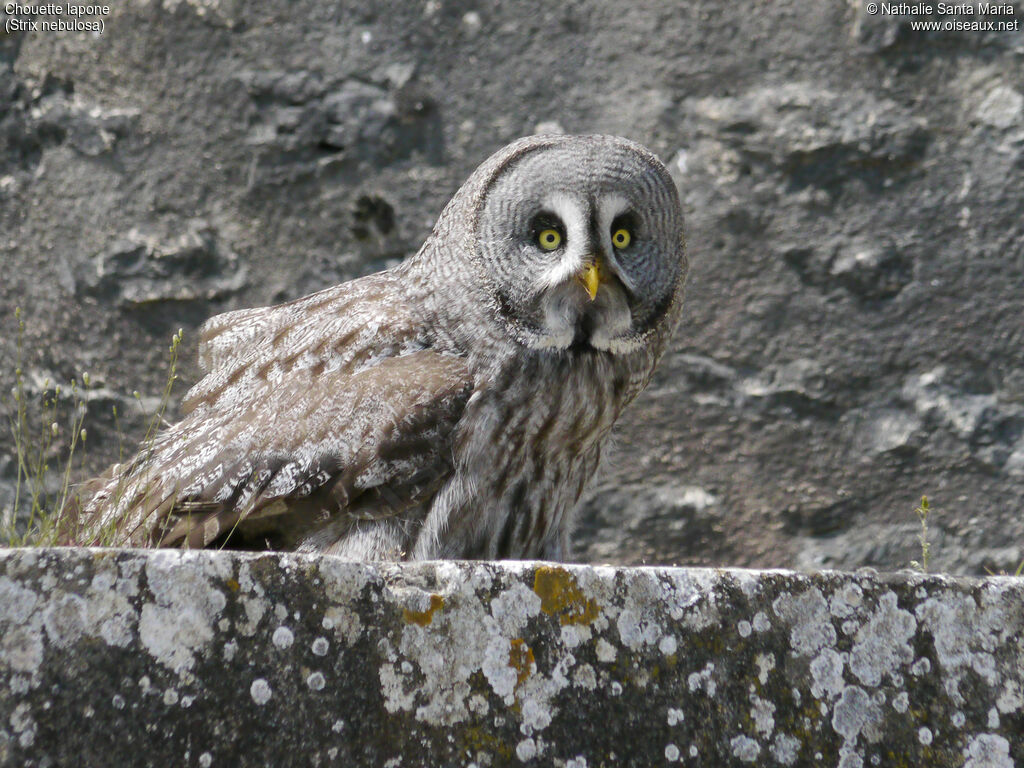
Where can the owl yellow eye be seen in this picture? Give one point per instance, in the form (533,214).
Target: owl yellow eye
(621,237)
(549,239)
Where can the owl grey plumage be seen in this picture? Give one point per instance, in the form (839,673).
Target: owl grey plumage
(455,406)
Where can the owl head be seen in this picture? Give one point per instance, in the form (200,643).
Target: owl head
(574,242)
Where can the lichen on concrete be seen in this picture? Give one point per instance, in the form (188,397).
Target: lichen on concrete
(219,658)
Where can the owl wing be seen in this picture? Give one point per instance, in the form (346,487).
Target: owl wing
(331,405)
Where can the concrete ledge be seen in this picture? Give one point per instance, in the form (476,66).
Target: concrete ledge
(112,657)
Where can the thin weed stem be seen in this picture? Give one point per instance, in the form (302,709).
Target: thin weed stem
(922,514)
(42,512)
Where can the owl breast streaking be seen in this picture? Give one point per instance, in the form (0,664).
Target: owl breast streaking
(454,406)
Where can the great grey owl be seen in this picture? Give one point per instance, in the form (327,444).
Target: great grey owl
(454,406)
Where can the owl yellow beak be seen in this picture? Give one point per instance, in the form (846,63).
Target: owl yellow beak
(590,276)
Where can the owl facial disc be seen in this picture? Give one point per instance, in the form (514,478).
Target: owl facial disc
(582,242)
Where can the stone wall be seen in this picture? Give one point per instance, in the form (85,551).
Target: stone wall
(853,335)
(224,659)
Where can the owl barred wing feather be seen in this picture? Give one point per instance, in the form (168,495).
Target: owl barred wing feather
(331,405)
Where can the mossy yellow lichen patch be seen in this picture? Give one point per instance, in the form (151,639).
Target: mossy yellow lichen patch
(560,595)
(520,658)
(485,740)
(422,618)
(233,585)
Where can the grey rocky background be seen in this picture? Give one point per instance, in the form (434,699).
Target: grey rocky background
(854,335)
(205,658)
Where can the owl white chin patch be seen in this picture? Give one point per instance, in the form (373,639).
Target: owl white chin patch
(551,341)
(599,342)
(619,345)
(571,321)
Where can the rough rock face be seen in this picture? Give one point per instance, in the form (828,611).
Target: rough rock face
(217,658)
(853,337)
